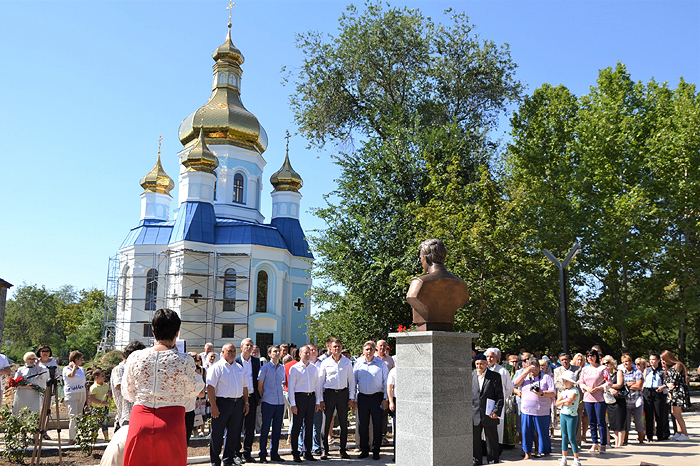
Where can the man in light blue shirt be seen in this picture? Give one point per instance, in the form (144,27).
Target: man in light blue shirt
(270,382)
(370,376)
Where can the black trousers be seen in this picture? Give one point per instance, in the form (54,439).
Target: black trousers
(370,406)
(249,426)
(189,425)
(230,421)
(656,411)
(306,406)
(336,399)
(491,435)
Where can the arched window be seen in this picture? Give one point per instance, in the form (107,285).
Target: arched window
(124,291)
(238,188)
(151,289)
(230,290)
(261,302)
(215,183)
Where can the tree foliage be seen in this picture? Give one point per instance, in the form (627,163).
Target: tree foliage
(390,86)
(612,169)
(64,319)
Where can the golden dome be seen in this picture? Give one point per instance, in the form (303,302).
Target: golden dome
(286,179)
(200,158)
(157,181)
(224,118)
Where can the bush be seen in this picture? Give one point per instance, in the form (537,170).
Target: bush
(88,427)
(17,430)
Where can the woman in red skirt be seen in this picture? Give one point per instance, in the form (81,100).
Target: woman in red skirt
(158,381)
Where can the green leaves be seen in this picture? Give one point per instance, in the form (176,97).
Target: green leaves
(412,101)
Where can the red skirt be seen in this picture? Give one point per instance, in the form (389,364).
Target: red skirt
(156,437)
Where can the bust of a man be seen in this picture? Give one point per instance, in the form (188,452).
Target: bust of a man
(435,296)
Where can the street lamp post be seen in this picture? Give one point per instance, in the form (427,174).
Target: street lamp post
(564,294)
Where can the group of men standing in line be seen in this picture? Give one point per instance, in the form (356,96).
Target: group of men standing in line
(313,386)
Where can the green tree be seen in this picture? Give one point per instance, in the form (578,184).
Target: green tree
(612,169)
(382,90)
(30,320)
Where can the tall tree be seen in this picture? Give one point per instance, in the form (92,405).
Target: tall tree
(612,169)
(380,90)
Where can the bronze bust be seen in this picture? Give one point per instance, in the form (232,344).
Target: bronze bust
(435,296)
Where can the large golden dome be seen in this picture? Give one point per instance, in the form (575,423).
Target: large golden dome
(200,158)
(223,118)
(157,181)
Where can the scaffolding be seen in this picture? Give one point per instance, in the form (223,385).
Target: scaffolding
(212,304)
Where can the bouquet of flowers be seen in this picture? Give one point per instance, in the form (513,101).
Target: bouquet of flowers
(20,381)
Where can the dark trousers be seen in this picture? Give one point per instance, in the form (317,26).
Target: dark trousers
(491,435)
(230,420)
(189,425)
(393,426)
(306,405)
(336,399)
(249,426)
(271,414)
(656,411)
(596,420)
(370,406)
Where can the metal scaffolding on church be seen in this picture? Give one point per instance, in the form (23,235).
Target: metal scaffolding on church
(208,289)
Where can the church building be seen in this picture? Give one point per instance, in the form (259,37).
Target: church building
(227,273)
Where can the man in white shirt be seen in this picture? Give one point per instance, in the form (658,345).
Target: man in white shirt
(251,368)
(305,396)
(4,370)
(227,388)
(208,348)
(370,377)
(338,381)
(493,357)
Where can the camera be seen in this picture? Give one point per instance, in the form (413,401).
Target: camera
(536,388)
(52,372)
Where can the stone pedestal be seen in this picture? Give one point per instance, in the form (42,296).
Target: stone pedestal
(434,398)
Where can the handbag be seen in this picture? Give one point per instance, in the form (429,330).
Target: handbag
(512,405)
(609,397)
(623,393)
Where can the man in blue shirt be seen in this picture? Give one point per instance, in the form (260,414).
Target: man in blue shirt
(270,382)
(370,376)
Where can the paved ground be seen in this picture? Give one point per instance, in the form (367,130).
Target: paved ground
(668,453)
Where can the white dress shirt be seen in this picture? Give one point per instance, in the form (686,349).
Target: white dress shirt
(227,379)
(248,371)
(338,375)
(304,378)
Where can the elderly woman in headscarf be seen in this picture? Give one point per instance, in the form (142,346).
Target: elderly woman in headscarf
(28,394)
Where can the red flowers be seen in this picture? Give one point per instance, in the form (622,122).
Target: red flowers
(16,382)
(403,328)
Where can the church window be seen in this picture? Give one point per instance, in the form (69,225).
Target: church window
(151,289)
(232,79)
(228,330)
(147,331)
(222,78)
(261,302)
(238,188)
(215,183)
(230,290)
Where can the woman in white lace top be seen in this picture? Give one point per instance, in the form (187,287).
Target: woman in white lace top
(159,380)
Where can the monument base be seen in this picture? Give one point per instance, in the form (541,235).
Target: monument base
(434,398)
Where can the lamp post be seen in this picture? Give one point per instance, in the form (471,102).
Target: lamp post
(564,294)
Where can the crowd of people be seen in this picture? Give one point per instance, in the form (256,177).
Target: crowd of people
(163,397)
(587,393)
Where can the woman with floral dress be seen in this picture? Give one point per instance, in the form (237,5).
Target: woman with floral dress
(675,379)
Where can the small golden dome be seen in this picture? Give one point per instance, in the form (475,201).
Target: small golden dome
(286,179)
(224,118)
(228,51)
(200,158)
(157,181)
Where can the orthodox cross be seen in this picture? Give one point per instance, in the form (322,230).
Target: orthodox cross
(287,138)
(229,8)
(160,140)
(195,296)
(298,304)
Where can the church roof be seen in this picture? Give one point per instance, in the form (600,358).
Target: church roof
(194,223)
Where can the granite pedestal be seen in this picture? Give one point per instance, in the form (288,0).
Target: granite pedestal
(434,398)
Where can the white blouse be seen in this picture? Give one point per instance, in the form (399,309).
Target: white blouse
(156,379)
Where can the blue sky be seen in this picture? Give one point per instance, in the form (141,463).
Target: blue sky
(87,87)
